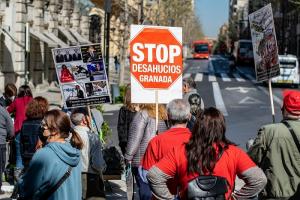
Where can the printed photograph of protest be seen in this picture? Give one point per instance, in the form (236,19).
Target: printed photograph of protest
(96,71)
(97,88)
(64,73)
(80,71)
(67,55)
(72,92)
(91,53)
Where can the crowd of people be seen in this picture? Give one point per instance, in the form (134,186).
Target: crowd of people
(55,154)
(187,155)
(184,154)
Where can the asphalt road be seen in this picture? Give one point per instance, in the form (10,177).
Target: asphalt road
(244,102)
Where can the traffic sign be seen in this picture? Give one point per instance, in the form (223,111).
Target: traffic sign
(155,58)
(155,63)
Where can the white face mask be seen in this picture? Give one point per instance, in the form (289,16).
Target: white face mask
(12,98)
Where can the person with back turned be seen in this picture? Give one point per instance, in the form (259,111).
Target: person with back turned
(276,151)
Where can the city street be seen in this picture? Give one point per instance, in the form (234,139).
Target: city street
(123,58)
(244,102)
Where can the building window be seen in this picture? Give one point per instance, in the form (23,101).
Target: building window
(7,3)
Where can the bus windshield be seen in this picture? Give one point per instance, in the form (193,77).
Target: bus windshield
(201,48)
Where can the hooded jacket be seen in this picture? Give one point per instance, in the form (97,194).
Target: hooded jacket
(47,167)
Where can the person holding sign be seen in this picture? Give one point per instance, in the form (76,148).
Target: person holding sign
(141,131)
(92,160)
(276,150)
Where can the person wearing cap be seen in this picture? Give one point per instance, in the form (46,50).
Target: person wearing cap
(275,151)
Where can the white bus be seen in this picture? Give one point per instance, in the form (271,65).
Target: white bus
(289,71)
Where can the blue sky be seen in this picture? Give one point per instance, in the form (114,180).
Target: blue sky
(212,14)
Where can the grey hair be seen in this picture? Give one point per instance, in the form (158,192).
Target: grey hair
(178,111)
(76,118)
(77,115)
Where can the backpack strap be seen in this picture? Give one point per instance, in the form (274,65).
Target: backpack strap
(58,184)
(293,134)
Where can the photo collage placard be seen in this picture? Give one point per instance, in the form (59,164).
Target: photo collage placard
(82,75)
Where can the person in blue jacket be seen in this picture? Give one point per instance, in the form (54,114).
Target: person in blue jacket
(50,163)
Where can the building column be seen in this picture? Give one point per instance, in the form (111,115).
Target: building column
(53,22)
(66,13)
(84,25)
(19,46)
(76,17)
(37,47)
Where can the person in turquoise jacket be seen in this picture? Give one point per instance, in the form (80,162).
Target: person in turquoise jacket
(50,163)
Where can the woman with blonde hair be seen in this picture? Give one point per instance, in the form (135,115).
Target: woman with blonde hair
(142,129)
(126,114)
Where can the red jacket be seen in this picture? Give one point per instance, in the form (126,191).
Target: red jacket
(18,106)
(160,145)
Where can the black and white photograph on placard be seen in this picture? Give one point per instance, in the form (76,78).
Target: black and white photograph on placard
(91,53)
(96,71)
(67,55)
(96,88)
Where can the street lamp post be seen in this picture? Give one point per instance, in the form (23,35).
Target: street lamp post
(107,9)
(141,12)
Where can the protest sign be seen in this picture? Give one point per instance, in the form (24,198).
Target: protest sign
(155,64)
(264,43)
(81,74)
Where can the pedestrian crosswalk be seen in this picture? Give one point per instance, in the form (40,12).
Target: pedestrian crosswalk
(198,77)
(213,77)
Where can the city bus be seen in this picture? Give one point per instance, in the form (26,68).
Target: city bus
(201,49)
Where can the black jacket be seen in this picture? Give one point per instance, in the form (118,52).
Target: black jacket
(29,137)
(124,121)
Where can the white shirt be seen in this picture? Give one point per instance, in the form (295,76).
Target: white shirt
(84,153)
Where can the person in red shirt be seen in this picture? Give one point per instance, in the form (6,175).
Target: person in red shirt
(66,75)
(178,111)
(207,152)
(18,107)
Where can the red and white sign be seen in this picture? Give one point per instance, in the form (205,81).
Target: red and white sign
(155,63)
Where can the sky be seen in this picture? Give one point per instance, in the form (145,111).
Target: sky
(213,14)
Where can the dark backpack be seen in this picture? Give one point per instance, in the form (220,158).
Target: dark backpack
(207,187)
(114,161)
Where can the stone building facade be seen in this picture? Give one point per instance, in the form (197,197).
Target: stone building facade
(63,23)
(52,24)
